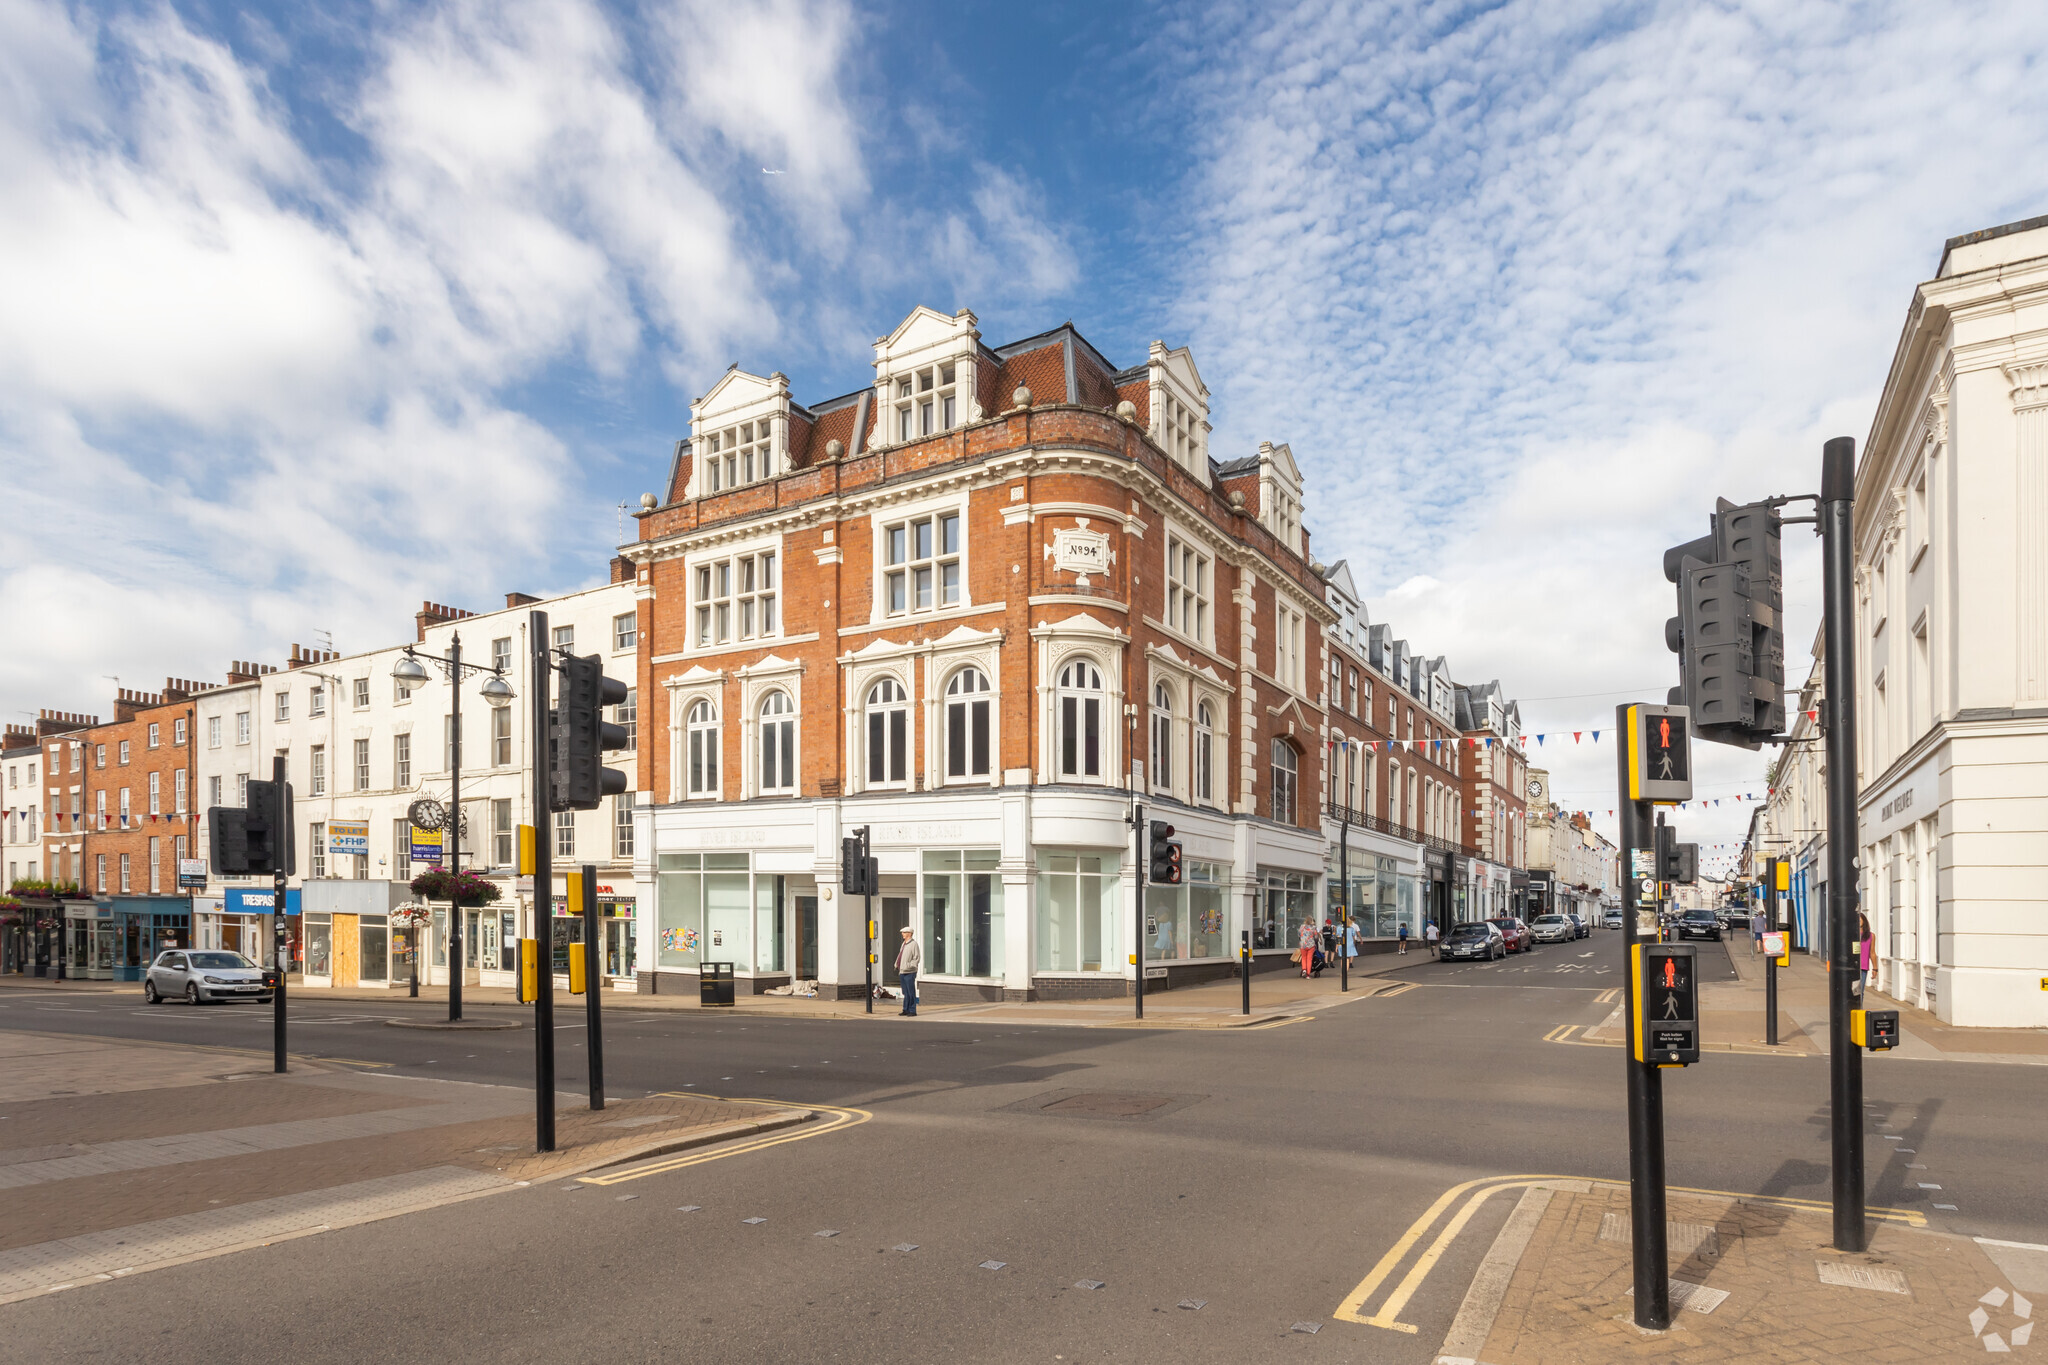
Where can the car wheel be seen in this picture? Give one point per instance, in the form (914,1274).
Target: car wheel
(192,993)
(149,995)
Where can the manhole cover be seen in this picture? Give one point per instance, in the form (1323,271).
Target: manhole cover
(1861,1276)
(1104,1104)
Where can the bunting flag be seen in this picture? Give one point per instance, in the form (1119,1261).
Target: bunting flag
(1576,735)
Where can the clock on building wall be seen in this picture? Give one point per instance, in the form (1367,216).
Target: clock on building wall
(1535,786)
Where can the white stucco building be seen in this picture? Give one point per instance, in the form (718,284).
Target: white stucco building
(360,748)
(1952,633)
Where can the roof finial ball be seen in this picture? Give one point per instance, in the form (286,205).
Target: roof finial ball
(1127,411)
(1237,498)
(1022,397)
(835,448)
(649,502)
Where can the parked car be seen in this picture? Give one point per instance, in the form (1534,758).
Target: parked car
(202,975)
(1611,920)
(1580,928)
(1481,940)
(1699,924)
(1516,933)
(1553,929)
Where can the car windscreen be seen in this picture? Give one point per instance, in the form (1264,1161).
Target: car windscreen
(218,961)
(1550,919)
(1469,931)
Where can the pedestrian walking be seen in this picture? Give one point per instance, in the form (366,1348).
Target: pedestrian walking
(1402,935)
(1306,942)
(1756,931)
(1350,938)
(909,958)
(1866,947)
(1430,933)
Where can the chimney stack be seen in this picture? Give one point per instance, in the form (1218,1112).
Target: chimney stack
(434,614)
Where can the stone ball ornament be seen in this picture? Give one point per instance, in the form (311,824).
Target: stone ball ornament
(1022,397)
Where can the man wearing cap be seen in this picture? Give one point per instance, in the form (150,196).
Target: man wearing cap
(908,959)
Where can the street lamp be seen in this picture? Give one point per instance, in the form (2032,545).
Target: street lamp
(411,670)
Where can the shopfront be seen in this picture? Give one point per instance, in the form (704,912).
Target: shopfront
(721,907)
(116,939)
(1375,895)
(349,939)
(251,909)
(618,912)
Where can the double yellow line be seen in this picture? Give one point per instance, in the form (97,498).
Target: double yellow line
(1475,1193)
(840,1118)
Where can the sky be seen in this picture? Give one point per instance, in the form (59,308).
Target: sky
(317,312)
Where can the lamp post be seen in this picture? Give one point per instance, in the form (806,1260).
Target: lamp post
(412,672)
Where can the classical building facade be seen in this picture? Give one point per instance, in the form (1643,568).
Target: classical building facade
(980,608)
(1951,515)
(360,747)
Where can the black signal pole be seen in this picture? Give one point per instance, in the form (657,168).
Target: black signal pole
(1838,723)
(1344,879)
(543,890)
(1144,868)
(867,915)
(1771,959)
(1645,1083)
(280,840)
(593,980)
(1244,965)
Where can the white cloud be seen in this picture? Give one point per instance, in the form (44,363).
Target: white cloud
(1527,287)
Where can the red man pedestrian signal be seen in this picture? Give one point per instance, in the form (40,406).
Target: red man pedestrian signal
(1659,740)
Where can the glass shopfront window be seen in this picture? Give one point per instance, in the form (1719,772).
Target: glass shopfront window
(319,945)
(1374,899)
(1077,897)
(709,907)
(1287,901)
(374,936)
(1186,922)
(962,895)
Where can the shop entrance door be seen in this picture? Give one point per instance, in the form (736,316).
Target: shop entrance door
(620,936)
(807,938)
(895,914)
(472,946)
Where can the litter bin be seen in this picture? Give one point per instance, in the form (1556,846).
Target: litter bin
(715,984)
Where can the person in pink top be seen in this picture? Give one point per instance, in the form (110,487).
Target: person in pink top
(1308,947)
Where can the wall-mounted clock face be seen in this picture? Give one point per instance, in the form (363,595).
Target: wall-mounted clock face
(1535,787)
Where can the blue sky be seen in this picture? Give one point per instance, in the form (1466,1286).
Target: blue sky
(315,312)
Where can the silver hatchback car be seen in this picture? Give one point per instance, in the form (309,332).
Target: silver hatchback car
(200,975)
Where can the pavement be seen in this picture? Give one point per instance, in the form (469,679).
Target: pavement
(1332,1185)
(1276,995)
(1750,1280)
(120,1158)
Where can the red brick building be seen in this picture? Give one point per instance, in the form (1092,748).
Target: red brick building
(979,607)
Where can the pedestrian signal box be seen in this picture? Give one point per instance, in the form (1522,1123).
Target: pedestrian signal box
(1667,1022)
(1659,743)
(1876,1030)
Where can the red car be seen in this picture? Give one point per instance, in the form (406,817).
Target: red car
(1515,932)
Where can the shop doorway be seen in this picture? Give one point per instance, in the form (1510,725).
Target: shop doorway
(620,936)
(807,938)
(473,929)
(895,915)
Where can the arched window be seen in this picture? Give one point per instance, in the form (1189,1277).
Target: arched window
(1079,739)
(967,722)
(1286,771)
(702,728)
(1162,737)
(778,743)
(1205,753)
(888,731)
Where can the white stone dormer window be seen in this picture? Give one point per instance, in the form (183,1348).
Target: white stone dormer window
(739,433)
(739,455)
(925,377)
(927,402)
(1179,408)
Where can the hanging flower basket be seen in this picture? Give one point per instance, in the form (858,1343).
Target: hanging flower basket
(410,915)
(461,888)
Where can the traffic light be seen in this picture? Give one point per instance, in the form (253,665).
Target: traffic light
(580,735)
(1667,1014)
(857,871)
(1165,855)
(1728,632)
(256,840)
(1676,862)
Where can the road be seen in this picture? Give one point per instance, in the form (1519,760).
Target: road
(1278,1168)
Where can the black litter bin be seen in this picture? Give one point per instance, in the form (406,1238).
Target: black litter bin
(715,984)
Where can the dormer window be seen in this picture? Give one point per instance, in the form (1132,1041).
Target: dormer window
(1179,430)
(927,402)
(738,455)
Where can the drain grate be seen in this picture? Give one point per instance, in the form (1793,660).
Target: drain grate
(1681,1239)
(1104,1104)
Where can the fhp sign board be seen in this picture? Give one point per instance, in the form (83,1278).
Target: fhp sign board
(1667,1023)
(1659,743)
(349,837)
(426,845)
